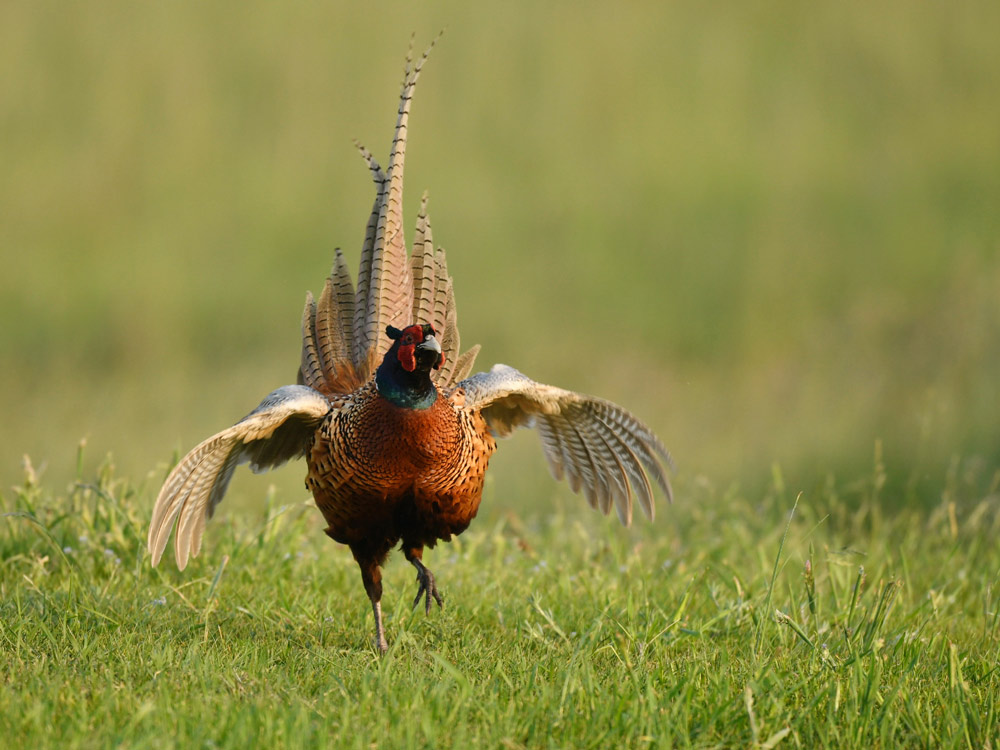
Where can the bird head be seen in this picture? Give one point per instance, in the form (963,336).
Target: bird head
(415,348)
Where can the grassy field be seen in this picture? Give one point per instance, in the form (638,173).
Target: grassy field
(770,232)
(752,622)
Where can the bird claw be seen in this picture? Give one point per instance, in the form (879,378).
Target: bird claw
(427,589)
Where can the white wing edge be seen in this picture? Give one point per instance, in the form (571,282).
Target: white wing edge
(279,429)
(597,446)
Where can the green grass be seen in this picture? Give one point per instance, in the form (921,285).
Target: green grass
(791,619)
(777,224)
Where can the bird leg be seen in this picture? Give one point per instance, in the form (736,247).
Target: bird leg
(425,578)
(371,576)
(379,640)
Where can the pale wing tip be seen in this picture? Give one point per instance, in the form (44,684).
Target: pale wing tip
(182,561)
(664,481)
(158,546)
(180,554)
(649,507)
(157,542)
(624,510)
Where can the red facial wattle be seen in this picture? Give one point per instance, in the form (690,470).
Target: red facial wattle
(409,339)
(406,357)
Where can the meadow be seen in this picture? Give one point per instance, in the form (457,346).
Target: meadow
(754,622)
(770,232)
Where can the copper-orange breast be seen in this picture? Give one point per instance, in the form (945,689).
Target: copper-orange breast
(411,474)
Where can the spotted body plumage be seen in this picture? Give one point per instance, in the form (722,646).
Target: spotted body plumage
(381,471)
(396,434)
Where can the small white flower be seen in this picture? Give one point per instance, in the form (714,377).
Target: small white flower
(68,550)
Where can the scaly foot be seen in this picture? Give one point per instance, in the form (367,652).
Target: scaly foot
(427,587)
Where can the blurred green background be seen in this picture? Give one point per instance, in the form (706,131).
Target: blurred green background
(772,232)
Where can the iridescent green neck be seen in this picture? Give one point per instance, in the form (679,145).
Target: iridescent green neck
(407,390)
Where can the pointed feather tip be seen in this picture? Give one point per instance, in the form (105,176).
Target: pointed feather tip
(624,511)
(412,70)
(665,485)
(665,455)
(180,555)
(365,153)
(435,40)
(373,166)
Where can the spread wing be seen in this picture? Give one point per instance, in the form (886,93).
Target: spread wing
(279,429)
(597,445)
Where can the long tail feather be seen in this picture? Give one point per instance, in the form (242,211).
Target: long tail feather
(344,331)
(362,331)
(423,268)
(389,298)
(311,369)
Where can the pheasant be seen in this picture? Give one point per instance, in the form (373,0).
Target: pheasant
(396,435)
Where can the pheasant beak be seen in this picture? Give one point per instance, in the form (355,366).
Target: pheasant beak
(431,346)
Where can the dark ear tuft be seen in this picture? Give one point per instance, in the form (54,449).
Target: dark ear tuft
(393,333)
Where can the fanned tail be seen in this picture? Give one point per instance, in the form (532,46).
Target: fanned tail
(327,335)
(434,301)
(388,295)
(343,332)
(363,347)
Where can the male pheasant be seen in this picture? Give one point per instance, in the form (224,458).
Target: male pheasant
(396,435)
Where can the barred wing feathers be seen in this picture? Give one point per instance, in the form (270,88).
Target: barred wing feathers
(597,446)
(279,429)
